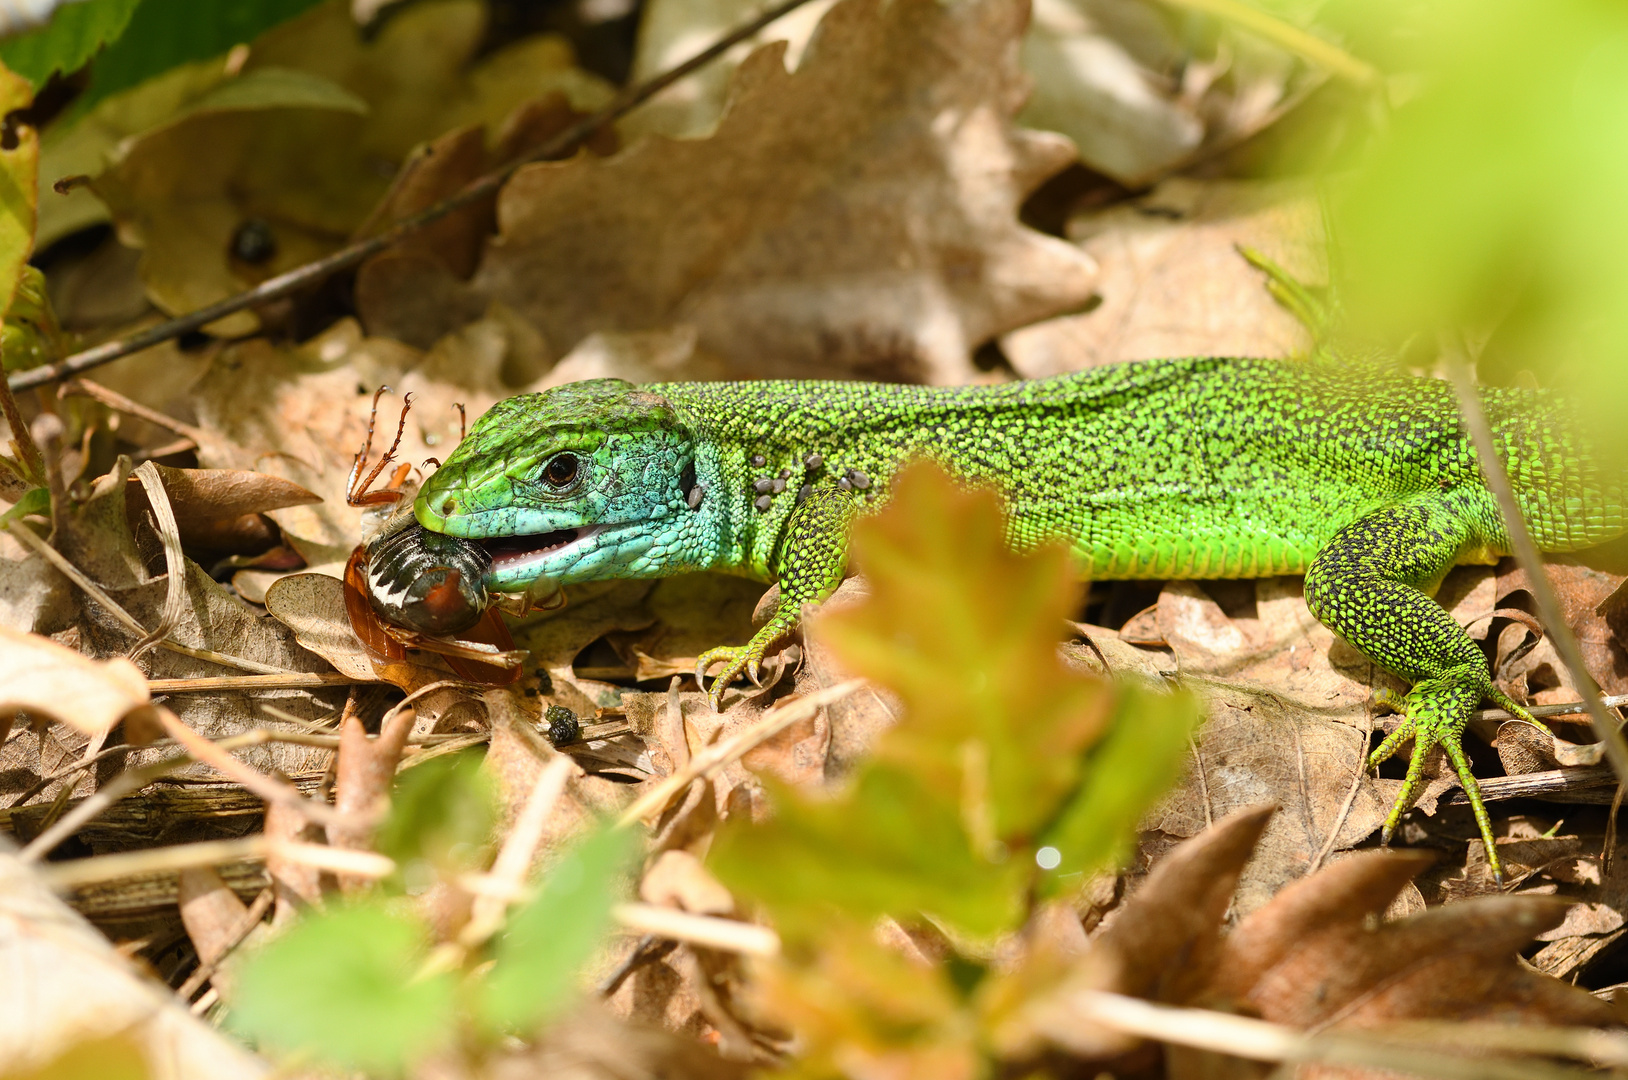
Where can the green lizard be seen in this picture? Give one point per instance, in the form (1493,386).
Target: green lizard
(1194,468)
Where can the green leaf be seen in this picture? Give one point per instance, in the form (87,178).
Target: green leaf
(1141,758)
(441,816)
(342,986)
(277,88)
(71,38)
(166,33)
(540,957)
(891,847)
(19,170)
(34,501)
(1493,204)
(966,631)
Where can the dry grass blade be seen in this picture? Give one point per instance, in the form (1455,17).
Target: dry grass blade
(514,859)
(1259,1040)
(175,563)
(1526,553)
(266,787)
(77,872)
(708,931)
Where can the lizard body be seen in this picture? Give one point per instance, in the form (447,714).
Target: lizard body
(1191,468)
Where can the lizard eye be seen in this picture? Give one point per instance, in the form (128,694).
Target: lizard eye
(560,470)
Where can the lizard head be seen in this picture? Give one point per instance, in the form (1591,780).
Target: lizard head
(578,483)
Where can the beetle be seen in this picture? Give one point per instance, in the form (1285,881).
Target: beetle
(407,587)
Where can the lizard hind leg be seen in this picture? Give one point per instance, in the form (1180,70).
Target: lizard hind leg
(1365,585)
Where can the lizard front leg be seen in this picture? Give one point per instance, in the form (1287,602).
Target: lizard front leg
(1366,586)
(808,564)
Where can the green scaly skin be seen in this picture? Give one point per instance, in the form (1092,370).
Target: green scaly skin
(1193,468)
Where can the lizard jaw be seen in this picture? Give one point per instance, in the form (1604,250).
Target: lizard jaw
(522,559)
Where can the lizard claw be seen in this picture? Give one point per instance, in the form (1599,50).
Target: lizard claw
(738,660)
(1434,714)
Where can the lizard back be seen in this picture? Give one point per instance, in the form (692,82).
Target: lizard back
(1165,468)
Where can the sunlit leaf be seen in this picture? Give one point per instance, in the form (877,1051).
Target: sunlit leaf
(966,632)
(19,167)
(998,745)
(1139,759)
(1493,201)
(71,37)
(342,986)
(893,845)
(118,1057)
(541,956)
(166,33)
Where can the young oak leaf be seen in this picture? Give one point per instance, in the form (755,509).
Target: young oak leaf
(965,631)
(996,747)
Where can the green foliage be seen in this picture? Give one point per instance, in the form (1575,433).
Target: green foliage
(19,173)
(441,817)
(540,957)
(1138,760)
(1495,198)
(351,986)
(1009,778)
(74,34)
(342,985)
(1002,750)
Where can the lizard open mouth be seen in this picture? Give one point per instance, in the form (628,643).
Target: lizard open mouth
(512,553)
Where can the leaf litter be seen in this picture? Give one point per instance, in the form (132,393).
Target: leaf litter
(892,836)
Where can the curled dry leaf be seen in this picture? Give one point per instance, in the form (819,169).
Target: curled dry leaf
(220,509)
(42,678)
(857,216)
(1319,955)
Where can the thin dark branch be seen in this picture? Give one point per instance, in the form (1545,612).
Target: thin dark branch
(1526,553)
(353,254)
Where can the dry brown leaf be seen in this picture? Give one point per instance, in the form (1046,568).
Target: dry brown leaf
(857,216)
(1326,964)
(65,985)
(42,678)
(211,912)
(1172,282)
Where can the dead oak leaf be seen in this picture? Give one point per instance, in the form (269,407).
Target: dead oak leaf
(1320,955)
(1172,282)
(857,216)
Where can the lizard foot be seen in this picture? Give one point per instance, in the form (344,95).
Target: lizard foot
(737,660)
(1434,713)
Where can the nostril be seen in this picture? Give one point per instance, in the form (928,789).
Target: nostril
(448,506)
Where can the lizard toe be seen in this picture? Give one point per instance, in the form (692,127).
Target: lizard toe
(1434,713)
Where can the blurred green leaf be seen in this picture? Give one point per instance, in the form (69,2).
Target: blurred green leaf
(1140,758)
(1494,202)
(19,167)
(441,816)
(540,957)
(891,846)
(166,33)
(71,37)
(966,632)
(342,986)
(995,748)
(34,501)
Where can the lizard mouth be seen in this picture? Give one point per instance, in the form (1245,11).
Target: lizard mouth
(512,555)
